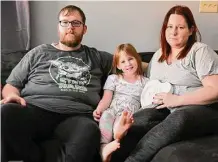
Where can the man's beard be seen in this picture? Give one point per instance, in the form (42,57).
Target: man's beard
(73,43)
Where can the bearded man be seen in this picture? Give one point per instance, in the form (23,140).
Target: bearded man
(52,92)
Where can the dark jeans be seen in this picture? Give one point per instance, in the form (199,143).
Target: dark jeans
(155,129)
(23,128)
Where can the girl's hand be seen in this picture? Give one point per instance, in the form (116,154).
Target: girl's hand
(97,114)
(166,100)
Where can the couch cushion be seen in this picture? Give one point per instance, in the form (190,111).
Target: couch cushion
(146,56)
(198,150)
(9,61)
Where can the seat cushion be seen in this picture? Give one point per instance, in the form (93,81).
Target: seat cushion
(198,150)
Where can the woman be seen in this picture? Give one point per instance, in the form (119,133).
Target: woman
(192,69)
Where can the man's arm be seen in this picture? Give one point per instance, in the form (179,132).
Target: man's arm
(9,90)
(12,94)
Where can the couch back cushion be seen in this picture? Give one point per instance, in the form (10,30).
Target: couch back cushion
(146,56)
(10,60)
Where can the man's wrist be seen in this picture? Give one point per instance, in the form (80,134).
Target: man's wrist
(13,94)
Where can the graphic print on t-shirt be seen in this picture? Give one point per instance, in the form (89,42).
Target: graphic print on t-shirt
(70,73)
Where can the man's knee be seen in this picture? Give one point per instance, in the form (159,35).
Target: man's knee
(92,127)
(81,137)
(8,106)
(77,126)
(9,110)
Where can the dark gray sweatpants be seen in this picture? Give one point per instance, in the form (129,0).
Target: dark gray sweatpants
(153,129)
(23,128)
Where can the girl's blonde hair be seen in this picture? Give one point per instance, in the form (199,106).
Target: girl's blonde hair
(131,51)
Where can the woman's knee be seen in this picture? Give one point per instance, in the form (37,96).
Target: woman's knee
(190,120)
(148,117)
(190,113)
(180,117)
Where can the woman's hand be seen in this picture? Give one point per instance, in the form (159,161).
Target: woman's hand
(97,114)
(166,100)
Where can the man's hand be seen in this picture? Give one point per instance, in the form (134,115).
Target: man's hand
(14,98)
(97,114)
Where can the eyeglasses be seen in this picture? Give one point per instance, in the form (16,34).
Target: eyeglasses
(74,23)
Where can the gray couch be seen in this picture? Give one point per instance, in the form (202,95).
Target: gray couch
(201,149)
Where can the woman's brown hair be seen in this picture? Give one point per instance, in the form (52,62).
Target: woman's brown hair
(189,18)
(131,51)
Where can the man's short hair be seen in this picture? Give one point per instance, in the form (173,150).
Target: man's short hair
(71,8)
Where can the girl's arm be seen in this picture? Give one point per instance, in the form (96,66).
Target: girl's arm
(103,104)
(105,101)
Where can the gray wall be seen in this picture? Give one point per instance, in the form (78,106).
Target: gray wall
(111,23)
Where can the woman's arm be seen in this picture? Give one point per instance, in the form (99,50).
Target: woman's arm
(205,62)
(205,95)
(206,65)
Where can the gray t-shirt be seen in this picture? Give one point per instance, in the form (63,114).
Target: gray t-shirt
(62,81)
(126,96)
(185,74)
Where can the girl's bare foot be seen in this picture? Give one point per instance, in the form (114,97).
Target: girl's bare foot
(125,122)
(108,149)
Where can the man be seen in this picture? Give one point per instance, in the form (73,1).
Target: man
(55,88)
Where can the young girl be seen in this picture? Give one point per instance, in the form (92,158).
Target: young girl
(121,99)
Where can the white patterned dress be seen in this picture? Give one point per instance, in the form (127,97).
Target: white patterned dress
(126,96)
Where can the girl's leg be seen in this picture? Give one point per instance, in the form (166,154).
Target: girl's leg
(106,127)
(184,123)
